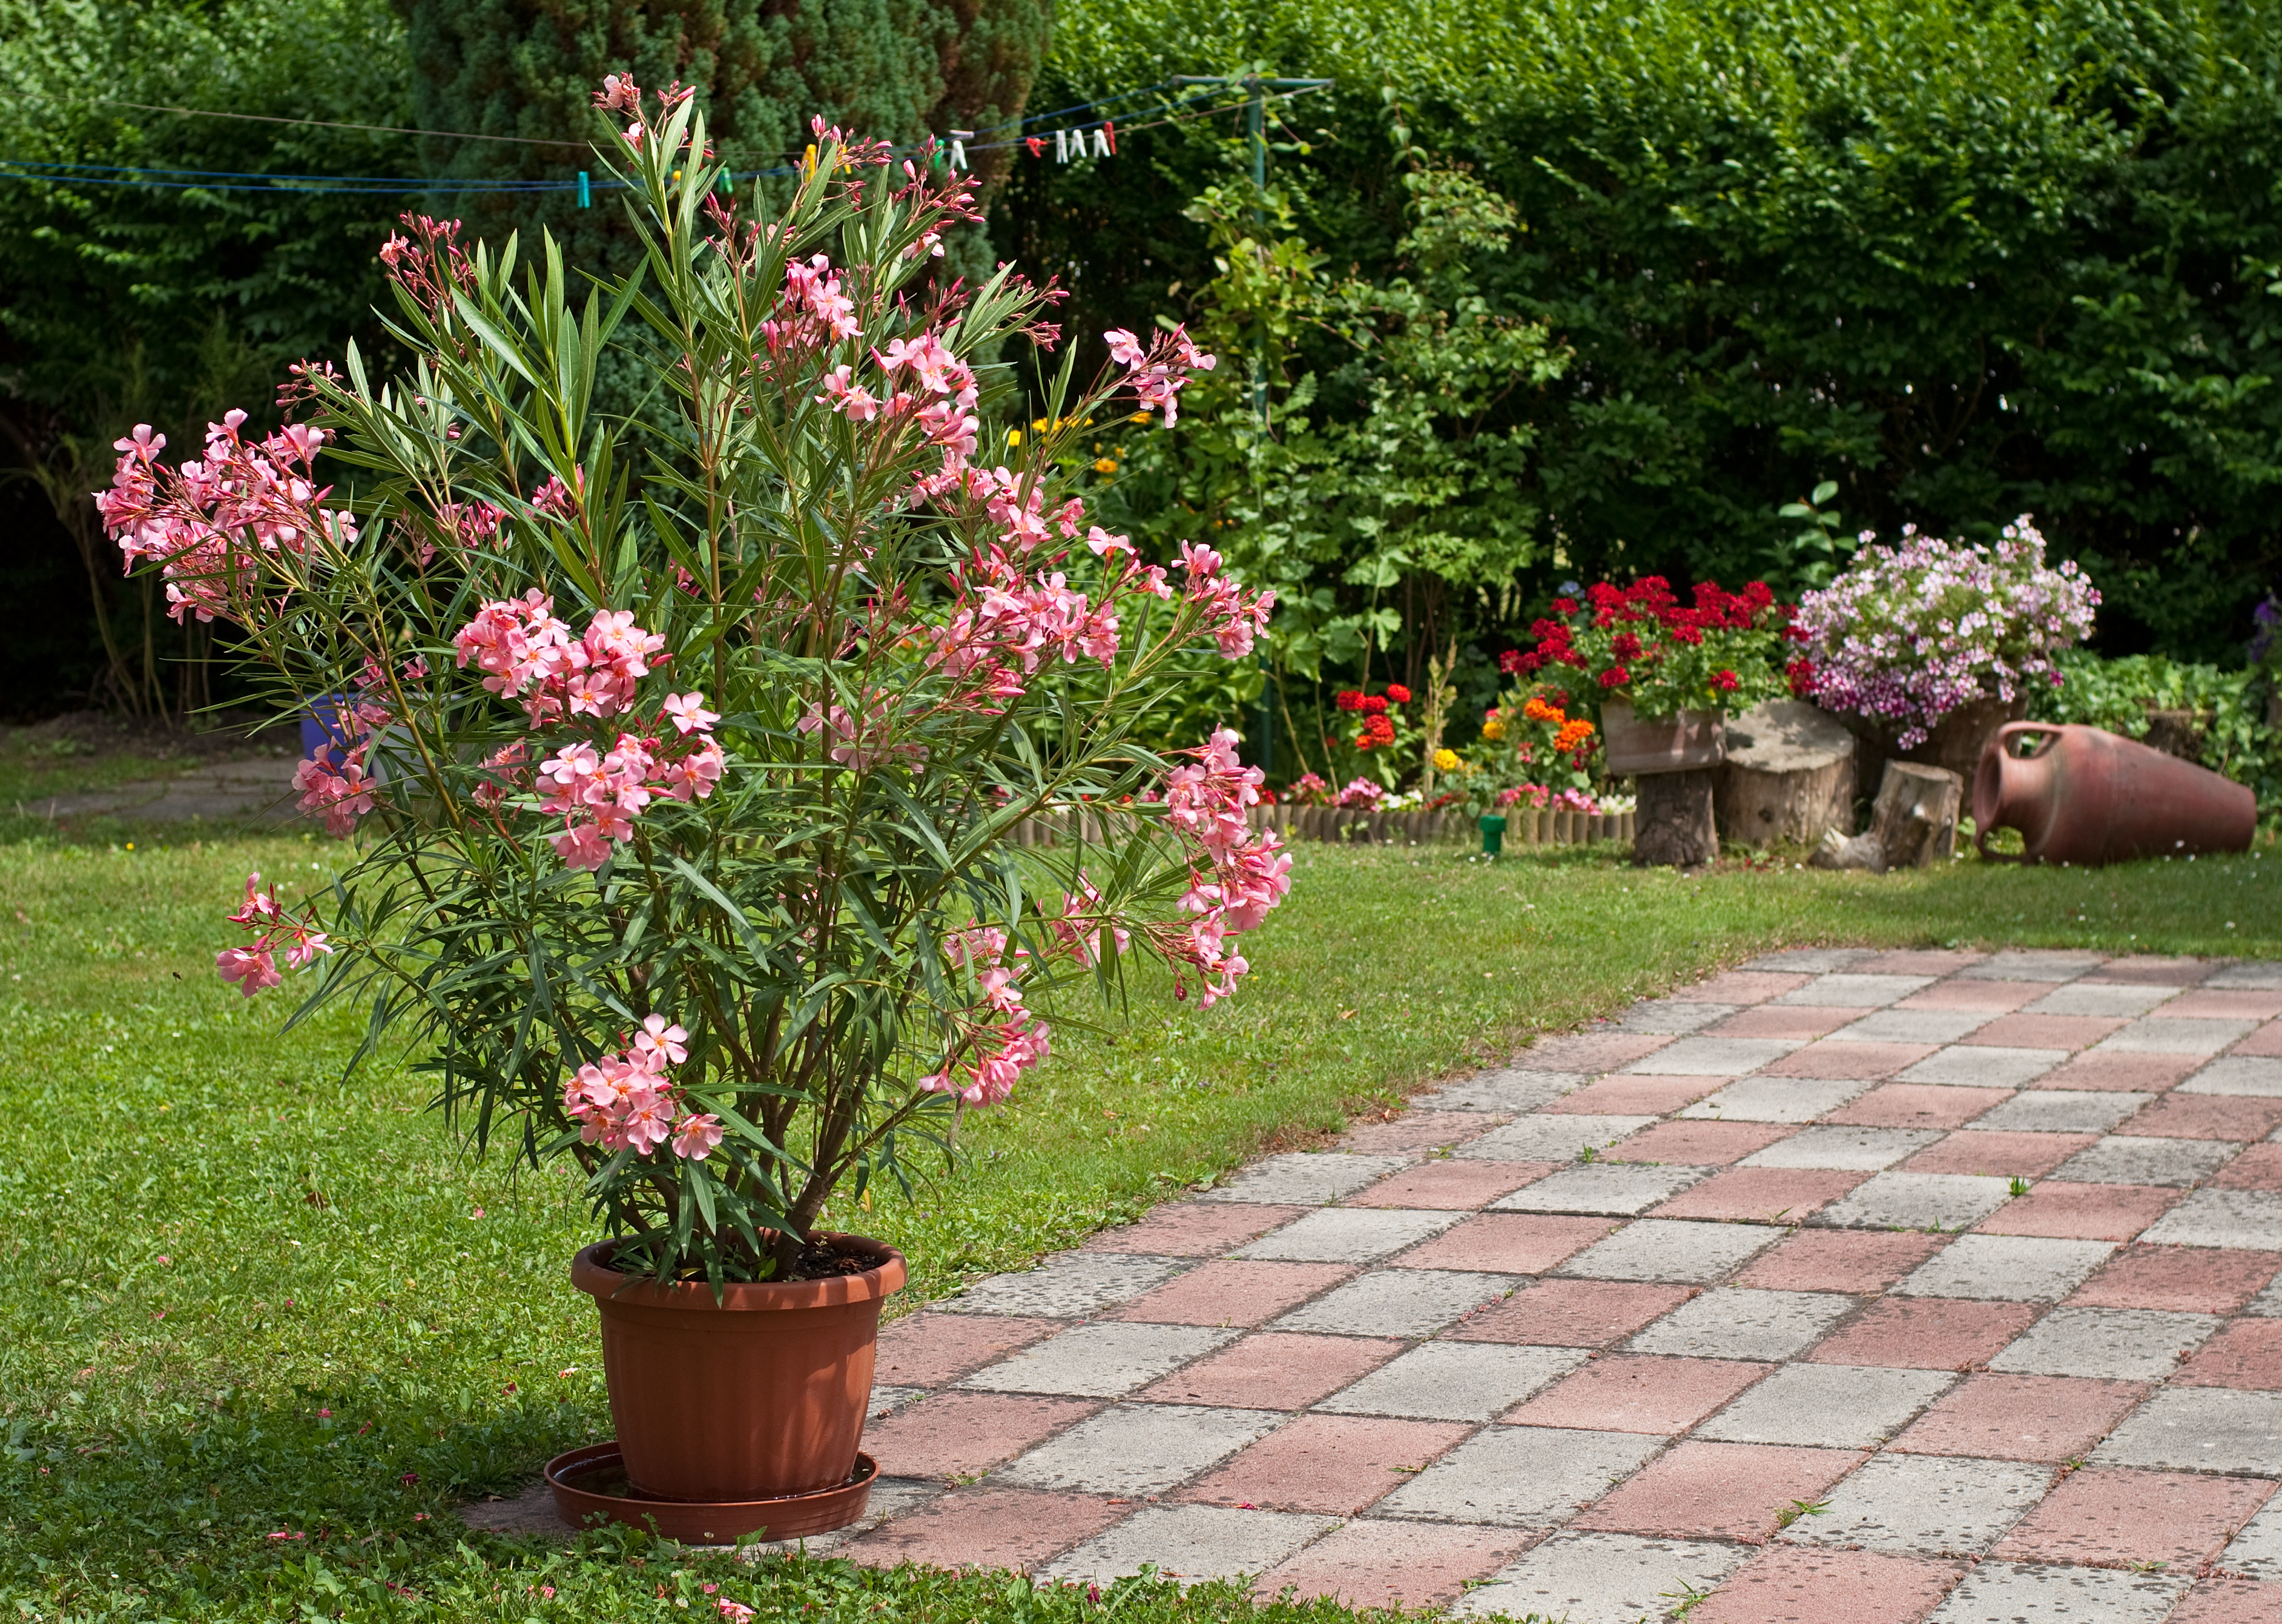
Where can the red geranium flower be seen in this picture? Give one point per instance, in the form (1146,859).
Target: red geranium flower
(1616,676)
(1723,681)
(1801,673)
(1511,662)
(1627,646)
(1399,694)
(1347,699)
(1371,704)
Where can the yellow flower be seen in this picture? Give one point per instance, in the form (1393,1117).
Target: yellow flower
(1446,761)
(1014,437)
(1039,425)
(1104,465)
(1494,729)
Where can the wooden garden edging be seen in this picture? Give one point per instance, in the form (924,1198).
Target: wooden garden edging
(1524,827)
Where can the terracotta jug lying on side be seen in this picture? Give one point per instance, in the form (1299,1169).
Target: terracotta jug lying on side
(2089,796)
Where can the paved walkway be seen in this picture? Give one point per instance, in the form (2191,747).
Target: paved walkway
(259,790)
(1844,1286)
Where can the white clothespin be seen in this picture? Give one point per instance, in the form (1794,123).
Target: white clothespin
(1061,146)
(1101,143)
(959,138)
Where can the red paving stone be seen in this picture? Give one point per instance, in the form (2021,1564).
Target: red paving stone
(2021,1417)
(2112,1514)
(1996,997)
(2266,1040)
(1918,1105)
(1763,1193)
(1413,1130)
(2180,1279)
(1396,1563)
(2221,1004)
(2230,1601)
(1926,1333)
(986,1527)
(2246,1354)
(1232,1292)
(2081,1212)
(1569,1313)
(2042,1032)
(1802,1022)
(1508,1243)
(1716,1490)
(927,1350)
(1916,961)
(1638,1393)
(1275,1370)
(2148,970)
(2000,1154)
(1841,1259)
(1790,1586)
(1698,1143)
(2115,1074)
(957,1435)
(1589,1052)
(2259,1168)
(1635,1096)
(1337,1465)
(2207,1116)
(1194,1229)
(1842,1061)
(1742,987)
(1452,1185)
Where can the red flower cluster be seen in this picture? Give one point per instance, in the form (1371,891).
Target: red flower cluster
(1398,694)
(1368,704)
(1649,603)
(1801,673)
(1377,730)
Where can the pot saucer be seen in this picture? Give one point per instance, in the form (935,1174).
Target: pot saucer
(593,1480)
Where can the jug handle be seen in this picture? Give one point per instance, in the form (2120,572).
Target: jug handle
(2051,733)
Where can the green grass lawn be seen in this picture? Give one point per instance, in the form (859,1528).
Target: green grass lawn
(241,1297)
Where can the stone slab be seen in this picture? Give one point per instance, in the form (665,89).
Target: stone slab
(1828,1406)
(1551,1139)
(1407,1302)
(2056,1110)
(2238,1073)
(1101,1361)
(1857,991)
(1067,1286)
(1348,1235)
(1861,1150)
(2246,1218)
(1189,1543)
(2006,1269)
(2125,1159)
(2108,1344)
(1931,1504)
(1509,1089)
(2039,1593)
(1305,1178)
(1618,1188)
(1455,1381)
(2201,1429)
(1740,1323)
(1672,1250)
(1934,1026)
(1985,1066)
(1601,1579)
(1774,1099)
(1521,1476)
(1916,1200)
(1713,1057)
(1139,1448)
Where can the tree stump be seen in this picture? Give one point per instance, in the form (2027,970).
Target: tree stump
(1674,824)
(1915,819)
(1790,775)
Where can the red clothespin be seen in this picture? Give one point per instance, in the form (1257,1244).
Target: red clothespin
(1110,130)
(1036,143)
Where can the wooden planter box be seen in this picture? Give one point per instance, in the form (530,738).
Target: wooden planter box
(1688,741)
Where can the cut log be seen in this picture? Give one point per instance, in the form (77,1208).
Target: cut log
(1915,819)
(1674,824)
(1790,775)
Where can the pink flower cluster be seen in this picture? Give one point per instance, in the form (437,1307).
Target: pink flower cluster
(253,969)
(993,1053)
(626,1100)
(211,525)
(1158,371)
(524,652)
(1245,874)
(1230,619)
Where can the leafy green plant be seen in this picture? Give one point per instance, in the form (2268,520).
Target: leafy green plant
(2225,710)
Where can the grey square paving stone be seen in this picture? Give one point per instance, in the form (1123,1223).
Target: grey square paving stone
(1348,1234)
(1520,1477)
(2254,977)
(2238,1073)
(1811,960)
(1615,1188)
(1984,1066)
(1714,1057)
(1550,1139)
(1454,1381)
(2127,1158)
(2267,1304)
(1912,1026)
(2114,1000)
(2177,1034)
(1099,1361)
(1672,1250)
(2107,1344)
(1139,1448)
(1408,1303)
(1670,1017)
(1305,1178)
(1068,1286)
(2061,1110)
(2257,1549)
(2032,964)
(1190,1542)
(1774,1099)
(2047,1593)
(1828,1406)
(1508,1089)
(1841,991)
(2251,1219)
(1601,1579)
(2006,1269)
(1916,1200)
(1733,1322)
(1851,1150)
(1925,1505)
(2199,1429)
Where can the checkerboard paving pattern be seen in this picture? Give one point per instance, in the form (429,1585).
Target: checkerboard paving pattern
(1844,1286)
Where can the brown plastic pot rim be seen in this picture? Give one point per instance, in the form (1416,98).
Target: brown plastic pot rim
(591,1273)
(562,1473)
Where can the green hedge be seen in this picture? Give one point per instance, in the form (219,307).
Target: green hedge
(2121,696)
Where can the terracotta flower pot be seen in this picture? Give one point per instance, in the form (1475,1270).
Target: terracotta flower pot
(1685,742)
(758,1395)
(2089,796)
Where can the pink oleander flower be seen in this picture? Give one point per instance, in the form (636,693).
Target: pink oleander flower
(250,970)
(695,1136)
(688,713)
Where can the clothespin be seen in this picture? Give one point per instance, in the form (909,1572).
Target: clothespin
(586,196)
(1061,146)
(1101,143)
(959,140)
(1036,143)
(1109,131)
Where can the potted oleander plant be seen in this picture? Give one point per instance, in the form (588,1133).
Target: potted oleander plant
(686,748)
